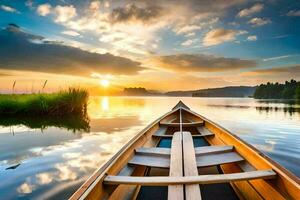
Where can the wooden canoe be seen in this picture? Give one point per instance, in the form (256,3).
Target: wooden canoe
(183,155)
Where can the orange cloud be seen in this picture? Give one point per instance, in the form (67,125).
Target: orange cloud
(200,63)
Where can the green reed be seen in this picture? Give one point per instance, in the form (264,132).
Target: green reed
(72,101)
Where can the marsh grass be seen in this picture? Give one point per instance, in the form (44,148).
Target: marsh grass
(72,101)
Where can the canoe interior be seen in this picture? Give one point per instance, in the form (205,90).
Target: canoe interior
(159,134)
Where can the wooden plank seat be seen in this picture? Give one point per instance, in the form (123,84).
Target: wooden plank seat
(186,124)
(203,131)
(198,150)
(205,156)
(153,151)
(201,179)
(161,131)
(162,136)
(160,161)
(170,136)
(213,149)
(206,160)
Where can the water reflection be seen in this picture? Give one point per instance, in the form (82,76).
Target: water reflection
(105,103)
(72,123)
(279,101)
(286,109)
(52,161)
(13,167)
(289,109)
(108,125)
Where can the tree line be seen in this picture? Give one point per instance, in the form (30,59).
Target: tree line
(288,90)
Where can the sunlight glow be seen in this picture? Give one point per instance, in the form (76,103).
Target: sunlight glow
(104,83)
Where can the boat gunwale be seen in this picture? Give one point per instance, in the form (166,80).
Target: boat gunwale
(99,173)
(251,147)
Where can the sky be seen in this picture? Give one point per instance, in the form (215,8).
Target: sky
(161,45)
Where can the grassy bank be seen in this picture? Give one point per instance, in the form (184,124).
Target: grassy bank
(67,102)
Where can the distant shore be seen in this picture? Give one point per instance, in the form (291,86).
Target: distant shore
(231,91)
(288,90)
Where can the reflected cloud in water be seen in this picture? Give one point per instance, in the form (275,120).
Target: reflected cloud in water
(25,188)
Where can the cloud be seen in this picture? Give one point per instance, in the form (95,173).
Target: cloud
(195,24)
(119,37)
(95,6)
(218,36)
(139,23)
(5,74)
(200,63)
(294,13)
(249,11)
(276,58)
(9,9)
(187,29)
(70,33)
(24,51)
(44,9)
(259,21)
(133,13)
(188,42)
(64,13)
(242,32)
(283,72)
(252,38)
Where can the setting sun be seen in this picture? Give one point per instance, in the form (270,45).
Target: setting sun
(104,83)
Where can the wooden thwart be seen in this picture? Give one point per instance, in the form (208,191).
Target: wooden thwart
(198,150)
(188,124)
(203,131)
(161,131)
(213,149)
(170,136)
(217,159)
(154,151)
(151,160)
(201,179)
(204,157)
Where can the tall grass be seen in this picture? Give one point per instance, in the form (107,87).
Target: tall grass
(72,101)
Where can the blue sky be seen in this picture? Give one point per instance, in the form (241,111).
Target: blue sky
(210,43)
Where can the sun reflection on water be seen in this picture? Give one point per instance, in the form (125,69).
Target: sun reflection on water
(105,104)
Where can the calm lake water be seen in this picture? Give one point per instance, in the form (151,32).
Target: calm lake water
(52,162)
